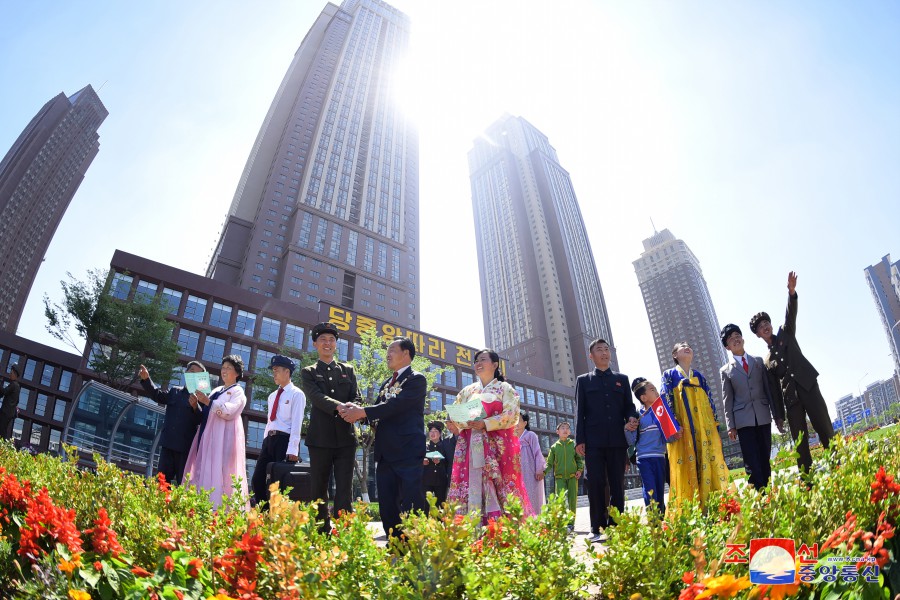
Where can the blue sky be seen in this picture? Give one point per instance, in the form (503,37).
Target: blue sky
(764,134)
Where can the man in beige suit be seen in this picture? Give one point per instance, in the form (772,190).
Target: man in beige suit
(749,407)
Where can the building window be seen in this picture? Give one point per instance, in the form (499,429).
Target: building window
(120,286)
(245,323)
(195,309)
(243,351)
(450,377)
(40,405)
(30,366)
(171,300)
(23,399)
(220,315)
(65,381)
(270,330)
(187,341)
(213,349)
(59,410)
(293,336)
(145,292)
(47,375)
(255,432)
(263,360)
(467,378)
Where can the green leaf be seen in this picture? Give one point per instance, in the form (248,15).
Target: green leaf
(90,576)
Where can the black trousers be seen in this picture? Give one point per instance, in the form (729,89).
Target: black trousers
(324,461)
(274,449)
(605,466)
(171,464)
(399,491)
(756,447)
(439,491)
(809,404)
(6,425)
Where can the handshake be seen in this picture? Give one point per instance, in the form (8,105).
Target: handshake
(351,412)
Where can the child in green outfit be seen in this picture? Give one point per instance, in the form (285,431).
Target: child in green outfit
(567,467)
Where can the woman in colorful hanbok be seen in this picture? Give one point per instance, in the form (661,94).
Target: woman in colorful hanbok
(533,462)
(696,464)
(487,467)
(219,448)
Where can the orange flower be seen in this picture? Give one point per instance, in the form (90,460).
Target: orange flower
(141,572)
(169,564)
(67,566)
(724,586)
(779,592)
(79,595)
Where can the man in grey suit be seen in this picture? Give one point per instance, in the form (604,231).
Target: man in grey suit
(749,408)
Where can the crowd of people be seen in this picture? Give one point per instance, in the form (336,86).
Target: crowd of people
(491,459)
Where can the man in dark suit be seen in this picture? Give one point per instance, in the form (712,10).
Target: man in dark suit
(180,425)
(749,407)
(603,410)
(8,410)
(793,379)
(331,441)
(399,435)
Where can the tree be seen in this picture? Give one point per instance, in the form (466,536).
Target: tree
(371,371)
(120,334)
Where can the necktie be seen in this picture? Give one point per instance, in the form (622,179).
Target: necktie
(275,405)
(393,380)
(746,366)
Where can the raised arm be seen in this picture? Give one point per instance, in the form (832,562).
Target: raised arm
(790,314)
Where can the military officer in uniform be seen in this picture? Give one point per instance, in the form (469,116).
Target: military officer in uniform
(793,378)
(330,439)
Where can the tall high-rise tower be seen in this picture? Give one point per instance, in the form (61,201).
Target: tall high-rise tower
(38,177)
(884,282)
(680,308)
(327,206)
(541,296)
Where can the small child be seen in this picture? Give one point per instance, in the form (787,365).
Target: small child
(650,446)
(567,467)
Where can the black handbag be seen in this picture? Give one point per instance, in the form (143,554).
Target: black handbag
(291,475)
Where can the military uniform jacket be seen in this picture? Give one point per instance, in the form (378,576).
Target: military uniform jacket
(327,386)
(10,400)
(785,363)
(603,406)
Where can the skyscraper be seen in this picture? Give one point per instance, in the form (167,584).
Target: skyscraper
(541,296)
(38,177)
(327,205)
(680,308)
(884,282)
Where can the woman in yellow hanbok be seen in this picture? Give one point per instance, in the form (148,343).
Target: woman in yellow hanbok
(696,464)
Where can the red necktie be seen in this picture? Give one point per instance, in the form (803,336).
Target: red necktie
(393,380)
(275,405)
(746,366)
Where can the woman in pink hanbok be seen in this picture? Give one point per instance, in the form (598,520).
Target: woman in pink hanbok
(533,462)
(487,467)
(219,448)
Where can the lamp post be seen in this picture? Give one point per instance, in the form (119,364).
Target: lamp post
(863,399)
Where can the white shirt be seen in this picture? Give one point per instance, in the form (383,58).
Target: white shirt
(738,360)
(289,417)
(400,372)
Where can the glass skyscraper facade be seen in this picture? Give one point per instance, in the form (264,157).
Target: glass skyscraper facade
(541,296)
(327,206)
(38,178)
